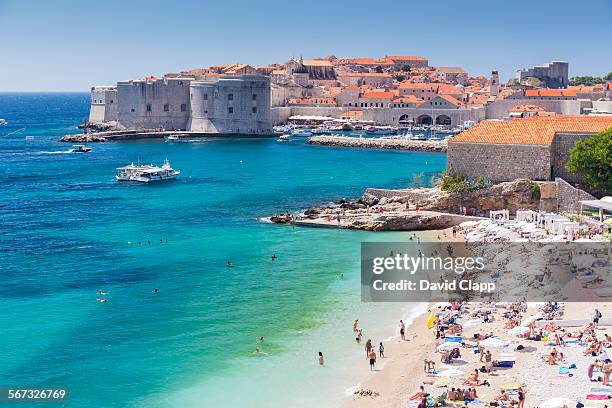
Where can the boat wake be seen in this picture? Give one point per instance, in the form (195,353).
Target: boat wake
(55,152)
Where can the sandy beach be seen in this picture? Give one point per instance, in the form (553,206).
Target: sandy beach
(400,374)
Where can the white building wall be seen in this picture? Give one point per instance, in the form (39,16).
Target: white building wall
(103,106)
(500,109)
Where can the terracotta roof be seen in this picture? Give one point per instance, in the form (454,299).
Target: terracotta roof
(450,99)
(412,85)
(535,130)
(407,99)
(452,70)
(351,88)
(317,63)
(406,58)
(377,95)
(550,92)
(365,74)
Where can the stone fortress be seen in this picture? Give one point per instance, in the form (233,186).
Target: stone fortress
(393,90)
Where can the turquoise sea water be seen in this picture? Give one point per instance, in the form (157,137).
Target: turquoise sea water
(65,225)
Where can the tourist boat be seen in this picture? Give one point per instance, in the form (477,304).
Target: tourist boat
(302,133)
(381,130)
(80,149)
(321,131)
(2,122)
(420,136)
(146,173)
(283,138)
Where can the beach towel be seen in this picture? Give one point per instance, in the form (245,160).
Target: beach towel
(596,397)
(457,339)
(430,321)
(563,370)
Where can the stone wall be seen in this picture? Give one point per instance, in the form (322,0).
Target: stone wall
(499,162)
(569,197)
(500,109)
(103,104)
(560,147)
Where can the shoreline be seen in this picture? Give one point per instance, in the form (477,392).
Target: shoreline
(380,143)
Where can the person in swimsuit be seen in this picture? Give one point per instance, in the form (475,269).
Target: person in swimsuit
(321,358)
(381,350)
(358,338)
(521,397)
(372,357)
(402,330)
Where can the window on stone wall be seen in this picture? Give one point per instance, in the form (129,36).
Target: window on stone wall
(254,97)
(254,109)
(112,101)
(230,97)
(183,107)
(205,97)
(230,109)
(133,110)
(166,107)
(148,108)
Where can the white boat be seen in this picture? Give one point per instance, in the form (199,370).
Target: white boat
(420,136)
(80,149)
(146,173)
(381,130)
(302,133)
(321,131)
(173,138)
(283,138)
(2,122)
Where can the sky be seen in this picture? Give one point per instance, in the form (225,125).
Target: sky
(69,45)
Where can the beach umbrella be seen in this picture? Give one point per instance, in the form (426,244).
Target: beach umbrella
(528,320)
(519,331)
(494,342)
(557,403)
(467,224)
(451,372)
(441,305)
(449,345)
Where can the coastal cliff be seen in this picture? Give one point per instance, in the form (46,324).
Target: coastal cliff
(380,143)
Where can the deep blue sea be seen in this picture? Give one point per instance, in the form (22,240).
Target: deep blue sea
(68,229)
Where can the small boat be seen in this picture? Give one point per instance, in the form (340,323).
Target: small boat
(283,138)
(2,122)
(80,149)
(173,138)
(321,131)
(381,130)
(420,136)
(301,133)
(146,173)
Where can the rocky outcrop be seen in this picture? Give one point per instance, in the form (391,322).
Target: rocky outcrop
(83,138)
(380,143)
(514,195)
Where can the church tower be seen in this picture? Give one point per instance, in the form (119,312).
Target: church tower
(494,83)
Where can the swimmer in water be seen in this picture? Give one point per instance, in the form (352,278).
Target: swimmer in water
(259,351)
(341,276)
(260,339)
(321,361)
(274,257)
(101,300)
(229,264)
(155,290)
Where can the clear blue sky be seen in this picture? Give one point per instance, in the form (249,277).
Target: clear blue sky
(66,45)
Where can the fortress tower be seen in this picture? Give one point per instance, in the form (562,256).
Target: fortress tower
(494,83)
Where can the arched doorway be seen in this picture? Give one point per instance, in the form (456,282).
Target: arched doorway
(405,120)
(424,120)
(443,120)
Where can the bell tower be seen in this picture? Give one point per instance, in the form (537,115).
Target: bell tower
(494,83)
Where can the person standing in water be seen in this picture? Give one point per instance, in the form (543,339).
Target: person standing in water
(321,361)
(358,338)
(381,350)
(368,347)
(402,330)
(372,356)
(355,325)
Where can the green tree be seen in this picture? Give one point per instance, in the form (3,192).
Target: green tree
(379,69)
(586,80)
(608,77)
(591,159)
(400,78)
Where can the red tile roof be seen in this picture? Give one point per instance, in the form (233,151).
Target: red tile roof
(550,92)
(535,130)
(377,95)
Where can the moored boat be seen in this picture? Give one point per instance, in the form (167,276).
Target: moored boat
(146,173)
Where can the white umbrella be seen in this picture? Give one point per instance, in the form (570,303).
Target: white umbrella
(528,320)
(557,403)
(493,342)
(451,372)
(449,346)
(441,305)
(518,331)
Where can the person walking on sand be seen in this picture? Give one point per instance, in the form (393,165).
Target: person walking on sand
(381,350)
(368,347)
(372,356)
(321,361)
(596,317)
(402,329)
(489,362)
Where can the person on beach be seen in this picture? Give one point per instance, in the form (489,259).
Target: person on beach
(489,362)
(402,329)
(372,357)
(321,361)
(368,347)
(355,325)
(359,335)
(596,317)
(521,397)
(381,350)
